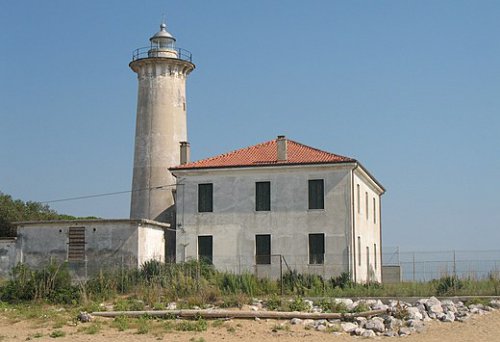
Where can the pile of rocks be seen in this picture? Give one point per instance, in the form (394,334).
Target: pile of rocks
(400,319)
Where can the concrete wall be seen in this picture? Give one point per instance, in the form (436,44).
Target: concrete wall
(7,256)
(151,243)
(108,244)
(367,241)
(234,221)
(160,127)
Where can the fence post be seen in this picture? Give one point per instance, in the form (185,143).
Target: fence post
(413,266)
(454,265)
(281,275)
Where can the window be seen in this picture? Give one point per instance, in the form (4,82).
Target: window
(375,255)
(263,196)
(205,249)
(366,204)
(359,250)
(316,194)
(205,198)
(263,249)
(316,249)
(368,257)
(374,211)
(76,244)
(359,199)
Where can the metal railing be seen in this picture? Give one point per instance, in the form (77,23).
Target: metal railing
(145,52)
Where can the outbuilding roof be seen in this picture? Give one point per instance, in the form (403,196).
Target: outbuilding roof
(266,154)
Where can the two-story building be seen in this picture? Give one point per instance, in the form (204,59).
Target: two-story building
(280,205)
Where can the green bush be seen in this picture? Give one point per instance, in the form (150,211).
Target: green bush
(51,283)
(448,285)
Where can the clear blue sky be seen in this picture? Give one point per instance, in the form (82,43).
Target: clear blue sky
(409,88)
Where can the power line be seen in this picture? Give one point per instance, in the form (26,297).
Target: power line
(108,194)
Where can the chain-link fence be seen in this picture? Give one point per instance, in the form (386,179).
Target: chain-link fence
(428,265)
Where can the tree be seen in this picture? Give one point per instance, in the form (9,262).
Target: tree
(16,210)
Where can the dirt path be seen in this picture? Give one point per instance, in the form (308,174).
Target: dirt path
(478,328)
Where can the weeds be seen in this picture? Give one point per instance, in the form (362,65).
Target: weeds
(57,333)
(121,323)
(144,325)
(199,325)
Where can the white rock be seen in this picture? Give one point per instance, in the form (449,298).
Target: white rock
(495,303)
(172,306)
(295,321)
(349,304)
(368,333)
(448,317)
(405,331)
(309,322)
(348,327)
(321,327)
(375,325)
(414,313)
(359,331)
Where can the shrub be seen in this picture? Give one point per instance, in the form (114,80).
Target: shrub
(343,281)
(57,333)
(448,285)
(121,323)
(51,283)
(298,304)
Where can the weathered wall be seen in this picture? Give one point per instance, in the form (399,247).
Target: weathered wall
(7,256)
(108,244)
(234,221)
(160,127)
(367,234)
(151,243)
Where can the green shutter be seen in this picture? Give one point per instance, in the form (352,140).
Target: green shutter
(263,196)
(205,197)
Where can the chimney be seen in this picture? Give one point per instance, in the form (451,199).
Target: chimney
(282,148)
(185,153)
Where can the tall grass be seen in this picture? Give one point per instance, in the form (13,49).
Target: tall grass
(199,284)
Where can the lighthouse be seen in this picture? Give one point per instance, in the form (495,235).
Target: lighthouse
(162,70)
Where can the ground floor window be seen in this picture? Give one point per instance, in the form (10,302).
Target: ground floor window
(205,249)
(316,248)
(263,249)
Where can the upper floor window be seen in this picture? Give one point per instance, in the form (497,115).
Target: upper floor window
(316,194)
(359,199)
(263,196)
(205,197)
(366,205)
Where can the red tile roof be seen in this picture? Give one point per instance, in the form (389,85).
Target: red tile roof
(265,154)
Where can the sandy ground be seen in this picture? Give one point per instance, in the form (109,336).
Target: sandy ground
(478,328)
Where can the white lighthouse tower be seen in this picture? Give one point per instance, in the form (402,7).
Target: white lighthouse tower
(162,70)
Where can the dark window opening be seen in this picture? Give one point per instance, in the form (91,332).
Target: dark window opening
(205,249)
(263,249)
(76,244)
(316,249)
(205,198)
(316,194)
(263,196)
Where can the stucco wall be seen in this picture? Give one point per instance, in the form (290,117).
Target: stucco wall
(151,243)
(234,221)
(108,244)
(367,239)
(7,256)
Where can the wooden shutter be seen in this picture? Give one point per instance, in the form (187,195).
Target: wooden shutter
(263,196)
(76,245)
